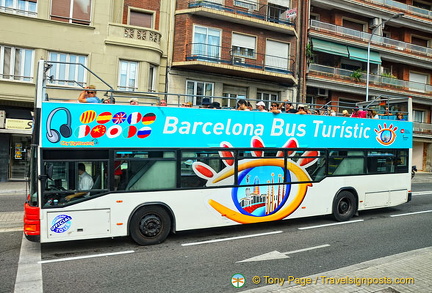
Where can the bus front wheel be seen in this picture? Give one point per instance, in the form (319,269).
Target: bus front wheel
(344,206)
(150,225)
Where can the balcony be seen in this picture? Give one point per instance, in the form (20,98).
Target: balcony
(133,36)
(275,18)
(423,130)
(392,84)
(376,40)
(401,6)
(224,60)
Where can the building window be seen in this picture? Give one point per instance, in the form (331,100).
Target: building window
(249,4)
(232,94)
(197,89)
(72,11)
(206,43)
(151,78)
(276,57)
(16,63)
(128,76)
(21,7)
(418,116)
(69,72)
(141,18)
(267,96)
(243,45)
(418,82)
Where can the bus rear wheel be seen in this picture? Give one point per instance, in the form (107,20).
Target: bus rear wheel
(344,206)
(150,225)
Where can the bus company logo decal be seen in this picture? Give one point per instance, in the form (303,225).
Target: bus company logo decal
(386,135)
(261,195)
(61,223)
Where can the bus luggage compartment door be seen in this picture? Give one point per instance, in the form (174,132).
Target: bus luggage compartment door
(78,224)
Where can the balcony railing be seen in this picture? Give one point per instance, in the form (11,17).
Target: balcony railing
(402,6)
(126,32)
(225,55)
(422,127)
(275,14)
(378,40)
(373,79)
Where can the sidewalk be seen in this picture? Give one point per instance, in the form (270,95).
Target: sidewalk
(12,221)
(13,187)
(405,272)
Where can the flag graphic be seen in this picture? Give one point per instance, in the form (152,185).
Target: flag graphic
(104,117)
(88,116)
(119,117)
(144,132)
(114,131)
(148,118)
(82,131)
(134,118)
(98,131)
(131,131)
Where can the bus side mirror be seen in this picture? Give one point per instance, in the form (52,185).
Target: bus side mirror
(48,172)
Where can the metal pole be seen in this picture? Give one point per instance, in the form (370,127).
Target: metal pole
(397,15)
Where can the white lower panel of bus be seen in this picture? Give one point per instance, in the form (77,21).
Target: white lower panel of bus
(78,224)
(385,198)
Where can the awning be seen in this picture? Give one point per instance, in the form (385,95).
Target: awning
(361,55)
(330,48)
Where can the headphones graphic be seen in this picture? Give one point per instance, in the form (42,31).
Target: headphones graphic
(65,129)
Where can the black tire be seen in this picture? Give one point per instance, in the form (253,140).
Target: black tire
(150,225)
(344,206)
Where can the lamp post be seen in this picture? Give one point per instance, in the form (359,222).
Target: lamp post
(382,24)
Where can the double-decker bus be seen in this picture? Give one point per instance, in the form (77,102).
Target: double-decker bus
(156,170)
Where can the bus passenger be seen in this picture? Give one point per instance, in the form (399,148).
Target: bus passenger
(289,108)
(108,101)
(242,105)
(261,106)
(301,110)
(345,113)
(372,114)
(275,108)
(400,117)
(358,113)
(205,103)
(88,95)
(133,101)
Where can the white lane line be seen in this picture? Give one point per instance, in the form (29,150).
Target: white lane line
(85,256)
(29,273)
(332,224)
(231,238)
(307,249)
(413,213)
(422,193)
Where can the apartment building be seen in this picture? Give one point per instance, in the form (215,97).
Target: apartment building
(124,43)
(234,49)
(398,36)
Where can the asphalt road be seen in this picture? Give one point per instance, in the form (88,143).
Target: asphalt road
(185,264)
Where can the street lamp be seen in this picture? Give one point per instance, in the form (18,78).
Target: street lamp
(382,24)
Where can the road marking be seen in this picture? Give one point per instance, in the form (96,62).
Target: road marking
(280,255)
(413,213)
(332,224)
(16,229)
(85,256)
(231,238)
(29,272)
(421,193)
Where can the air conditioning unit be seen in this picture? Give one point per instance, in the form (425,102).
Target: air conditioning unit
(239,60)
(322,93)
(374,22)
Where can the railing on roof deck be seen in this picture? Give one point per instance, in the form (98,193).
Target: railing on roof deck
(239,57)
(405,7)
(270,13)
(378,40)
(373,79)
